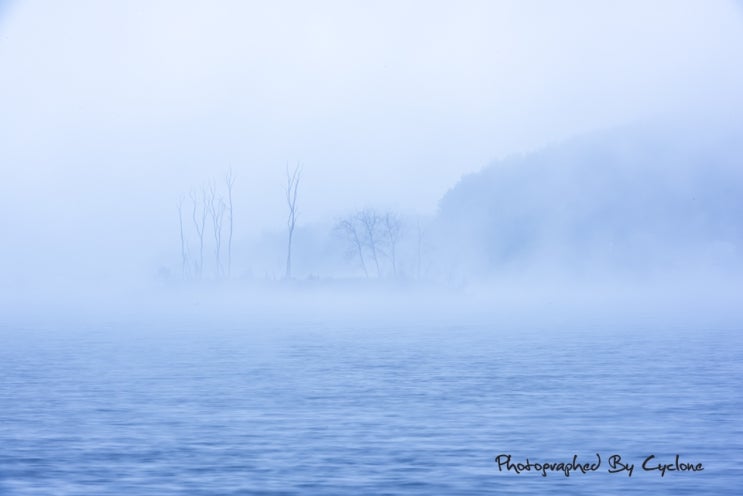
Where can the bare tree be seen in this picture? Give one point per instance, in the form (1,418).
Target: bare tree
(216,210)
(230,181)
(371,222)
(199,221)
(184,253)
(292,186)
(393,230)
(347,227)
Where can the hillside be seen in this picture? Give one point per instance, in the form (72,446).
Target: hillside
(639,198)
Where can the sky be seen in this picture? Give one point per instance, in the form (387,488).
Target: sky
(112,110)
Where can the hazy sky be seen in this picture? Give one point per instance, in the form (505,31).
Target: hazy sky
(110,110)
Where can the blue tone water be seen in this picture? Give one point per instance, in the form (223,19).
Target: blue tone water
(308,410)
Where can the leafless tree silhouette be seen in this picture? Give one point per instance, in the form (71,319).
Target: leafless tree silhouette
(393,230)
(371,222)
(199,221)
(292,186)
(348,229)
(230,182)
(216,208)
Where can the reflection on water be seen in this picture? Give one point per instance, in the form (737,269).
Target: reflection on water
(345,411)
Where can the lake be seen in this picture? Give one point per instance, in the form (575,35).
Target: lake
(360,409)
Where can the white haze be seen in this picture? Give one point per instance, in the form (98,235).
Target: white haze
(110,111)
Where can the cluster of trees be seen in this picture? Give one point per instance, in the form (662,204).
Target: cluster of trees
(208,212)
(659,200)
(374,238)
(212,212)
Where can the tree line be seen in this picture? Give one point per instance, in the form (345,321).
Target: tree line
(372,238)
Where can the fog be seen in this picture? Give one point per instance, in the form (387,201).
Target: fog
(534,164)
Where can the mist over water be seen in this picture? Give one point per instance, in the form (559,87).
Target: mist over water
(504,146)
(632,225)
(348,248)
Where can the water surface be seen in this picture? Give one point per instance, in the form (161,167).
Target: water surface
(308,409)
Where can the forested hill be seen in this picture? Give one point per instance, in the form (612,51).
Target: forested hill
(638,197)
